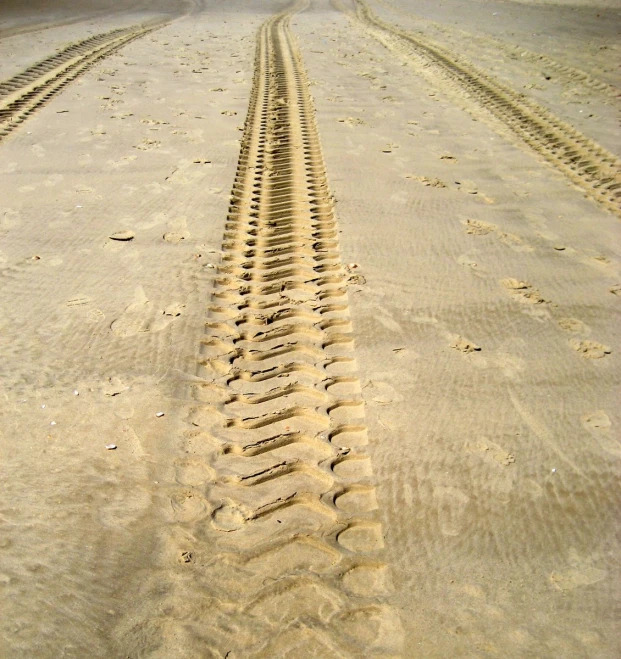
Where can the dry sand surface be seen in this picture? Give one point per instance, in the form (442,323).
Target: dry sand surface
(340,283)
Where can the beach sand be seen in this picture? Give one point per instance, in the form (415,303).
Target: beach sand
(479,277)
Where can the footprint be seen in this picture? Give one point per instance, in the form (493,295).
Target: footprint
(470,188)
(596,421)
(514,242)
(467,261)
(598,424)
(589,349)
(478,228)
(575,577)
(581,572)
(178,230)
(491,451)
(148,145)
(451,503)
(574,325)
(139,317)
(123,162)
(523,291)
(352,121)
(188,506)
(193,472)
(426,181)
(464,345)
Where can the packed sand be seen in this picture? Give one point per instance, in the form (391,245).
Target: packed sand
(454,491)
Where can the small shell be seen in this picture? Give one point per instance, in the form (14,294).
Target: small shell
(159,414)
(111,447)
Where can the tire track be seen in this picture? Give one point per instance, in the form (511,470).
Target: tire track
(26,92)
(568,74)
(292,533)
(582,160)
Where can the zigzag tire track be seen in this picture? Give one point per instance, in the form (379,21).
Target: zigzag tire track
(288,552)
(584,162)
(29,90)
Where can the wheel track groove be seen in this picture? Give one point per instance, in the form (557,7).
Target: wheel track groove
(293,535)
(569,74)
(28,91)
(588,165)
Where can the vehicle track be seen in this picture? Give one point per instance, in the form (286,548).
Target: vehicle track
(583,161)
(27,91)
(569,74)
(294,539)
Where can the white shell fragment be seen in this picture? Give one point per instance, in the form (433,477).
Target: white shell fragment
(111,447)
(158,414)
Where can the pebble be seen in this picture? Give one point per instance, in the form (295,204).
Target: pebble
(111,447)
(159,414)
(123,235)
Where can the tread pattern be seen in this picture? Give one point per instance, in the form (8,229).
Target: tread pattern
(296,545)
(27,91)
(583,161)
(569,74)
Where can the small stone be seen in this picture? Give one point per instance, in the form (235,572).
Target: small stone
(159,414)
(111,447)
(123,236)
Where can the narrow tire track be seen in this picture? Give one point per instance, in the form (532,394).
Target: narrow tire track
(588,165)
(27,91)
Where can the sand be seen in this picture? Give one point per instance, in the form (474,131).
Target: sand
(435,470)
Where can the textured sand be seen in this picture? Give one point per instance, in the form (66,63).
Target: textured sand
(484,301)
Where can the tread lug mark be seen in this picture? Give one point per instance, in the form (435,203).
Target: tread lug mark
(293,541)
(583,161)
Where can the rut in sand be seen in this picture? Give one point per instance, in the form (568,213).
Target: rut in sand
(29,90)
(587,164)
(285,555)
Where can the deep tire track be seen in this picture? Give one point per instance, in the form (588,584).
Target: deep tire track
(294,539)
(29,90)
(583,161)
